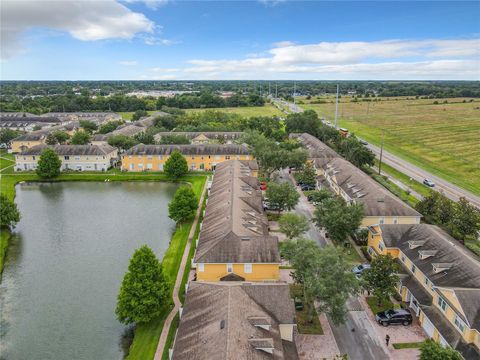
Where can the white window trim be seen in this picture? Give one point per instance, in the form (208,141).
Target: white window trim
(247,268)
(230,268)
(201,267)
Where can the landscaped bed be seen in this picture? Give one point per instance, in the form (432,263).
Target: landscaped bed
(372,302)
(304,326)
(412,345)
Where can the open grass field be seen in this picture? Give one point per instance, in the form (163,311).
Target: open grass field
(443,138)
(247,111)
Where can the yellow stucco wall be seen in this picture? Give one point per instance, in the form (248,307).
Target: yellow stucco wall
(374,220)
(260,272)
(195,162)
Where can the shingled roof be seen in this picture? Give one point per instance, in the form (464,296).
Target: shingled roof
(448,265)
(235,321)
(209,134)
(72,150)
(235,227)
(204,149)
(320,153)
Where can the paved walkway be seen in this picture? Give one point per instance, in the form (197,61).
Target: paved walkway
(178,281)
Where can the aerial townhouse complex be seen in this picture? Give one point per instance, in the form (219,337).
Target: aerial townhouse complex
(236,308)
(354,186)
(199,157)
(234,242)
(73,157)
(205,137)
(22,122)
(440,282)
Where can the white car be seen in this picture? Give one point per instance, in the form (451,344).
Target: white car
(429,183)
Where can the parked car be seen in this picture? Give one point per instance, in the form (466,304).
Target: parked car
(429,183)
(298,303)
(308,187)
(359,269)
(397,316)
(267,206)
(263,185)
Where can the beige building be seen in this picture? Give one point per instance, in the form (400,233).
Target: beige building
(236,320)
(73,157)
(205,137)
(354,186)
(440,282)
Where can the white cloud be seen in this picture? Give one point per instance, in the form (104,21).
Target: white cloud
(128,62)
(271,3)
(389,59)
(151,4)
(153,40)
(283,43)
(85,20)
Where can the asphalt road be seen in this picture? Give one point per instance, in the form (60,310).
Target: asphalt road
(362,343)
(449,190)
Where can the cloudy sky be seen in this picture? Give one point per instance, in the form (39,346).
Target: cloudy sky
(267,39)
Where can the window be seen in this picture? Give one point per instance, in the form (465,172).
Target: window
(380,246)
(201,267)
(131,166)
(229,268)
(382,220)
(160,167)
(78,158)
(247,268)
(227,157)
(217,157)
(403,258)
(33,157)
(149,166)
(149,157)
(140,166)
(395,220)
(192,166)
(160,157)
(459,323)
(443,305)
(67,157)
(413,268)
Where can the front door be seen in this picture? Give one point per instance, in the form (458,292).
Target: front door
(428,326)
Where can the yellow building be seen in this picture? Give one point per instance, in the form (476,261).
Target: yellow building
(354,186)
(441,282)
(205,137)
(73,157)
(199,157)
(236,320)
(234,242)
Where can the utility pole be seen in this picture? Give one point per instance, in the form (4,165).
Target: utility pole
(276,91)
(336,108)
(381,153)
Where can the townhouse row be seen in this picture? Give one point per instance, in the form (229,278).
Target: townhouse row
(354,186)
(440,282)
(236,308)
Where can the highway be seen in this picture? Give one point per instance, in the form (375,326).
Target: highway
(449,190)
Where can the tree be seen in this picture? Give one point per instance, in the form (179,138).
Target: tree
(145,138)
(296,158)
(293,225)
(144,291)
(382,277)
(309,175)
(37,127)
(176,165)
(9,214)
(139,114)
(325,276)
(80,138)
(339,219)
(109,127)
(305,122)
(7,135)
(358,154)
(49,164)
(319,196)
(431,350)
(282,196)
(122,142)
(466,220)
(174,139)
(88,126)
(57,137)
(183,204)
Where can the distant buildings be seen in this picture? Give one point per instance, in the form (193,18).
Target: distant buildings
(354,186)
(74,157)
(205,137)
(236,320)
(234,242)
(97,117)
(24,122)
(440,281)
(199,157)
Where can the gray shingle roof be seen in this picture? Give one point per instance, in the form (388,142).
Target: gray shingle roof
(216,322)
(207,149)
(62,150)
(229,135)
(29,119)
(463,275)
(235,228)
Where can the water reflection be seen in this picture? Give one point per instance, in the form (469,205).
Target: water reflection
(63,271)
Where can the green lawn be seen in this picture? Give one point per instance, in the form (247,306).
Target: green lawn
(127,115)
(171,336)
(5,236)
(442,139)
(247,111)
(6,160)
(412,345)
(304,326)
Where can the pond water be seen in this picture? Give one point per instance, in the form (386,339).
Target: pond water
(64,268)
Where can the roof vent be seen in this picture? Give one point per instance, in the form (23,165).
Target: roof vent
(381,200)
(439,267)
(423,254)
(359,195)
(413,244)
(263,344)
(245,238)
(260,322)
(222,324)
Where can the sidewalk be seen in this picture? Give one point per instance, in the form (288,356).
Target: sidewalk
(178,282)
